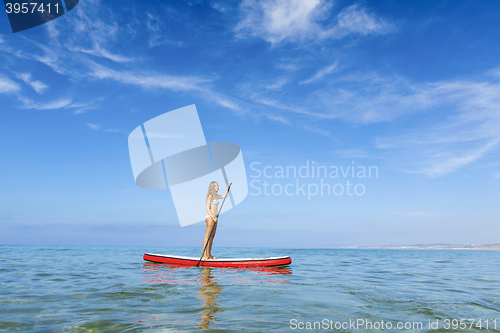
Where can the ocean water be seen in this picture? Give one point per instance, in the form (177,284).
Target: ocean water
(111,289)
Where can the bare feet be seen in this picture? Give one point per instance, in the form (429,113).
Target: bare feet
(205,258)
(212,258)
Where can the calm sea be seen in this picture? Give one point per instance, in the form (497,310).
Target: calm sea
(111,289)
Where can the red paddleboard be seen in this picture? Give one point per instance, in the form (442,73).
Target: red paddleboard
(221,262)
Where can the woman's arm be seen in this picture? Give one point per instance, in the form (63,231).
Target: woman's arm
(225,194)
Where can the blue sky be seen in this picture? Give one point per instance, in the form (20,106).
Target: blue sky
(412,88)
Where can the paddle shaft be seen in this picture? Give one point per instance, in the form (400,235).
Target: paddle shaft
(212,230)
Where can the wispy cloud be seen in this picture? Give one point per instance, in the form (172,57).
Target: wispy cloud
(57,104)
(221,99)
(280,119)
(361,99)
(471,130)
(7,85)
(81,50)
(97,51)
(149,80)
(220,7)
(116,131)
(355,19)
(465,128)
(322,72)
(286,121)
(95,127)
(370,98)
(58,59)
(154,25)
(77,67)
(290,65)
(152,80)
(353,153)
(38,86)
(259,97)
(83,107)
(447,165)
(296,20)
(280,20)
(316,130)
(278,83)
(92,35)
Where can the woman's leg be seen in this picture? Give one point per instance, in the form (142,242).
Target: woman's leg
(210,224)
(211,242)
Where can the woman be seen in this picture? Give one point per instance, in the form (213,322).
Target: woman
(212,206)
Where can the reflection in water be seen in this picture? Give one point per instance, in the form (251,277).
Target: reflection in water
(211,281)
(178,274)
(209,291)
(160,273)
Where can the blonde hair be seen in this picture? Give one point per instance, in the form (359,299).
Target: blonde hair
(211,190)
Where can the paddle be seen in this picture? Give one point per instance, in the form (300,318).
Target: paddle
(208,240)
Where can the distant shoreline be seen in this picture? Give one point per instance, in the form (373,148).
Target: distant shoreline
(432,247)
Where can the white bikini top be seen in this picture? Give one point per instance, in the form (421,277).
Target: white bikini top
(215,202)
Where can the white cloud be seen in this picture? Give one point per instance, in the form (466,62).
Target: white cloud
(370,98)
(85,32)
(83,107)
(278,21)
(95,127)
(353,153)
(99,52)
(222,100)
(354,19)
(58,104)
(364,99)
(57,60)
(279,119)
(95,36)
(81,53)
(76,66)
(149,80)
(469,132)
(116,131)
(220,8)
(259,98)
(322,72)
(155,27)
(442,166)
(38,86)
(316,130)
(277,84)
(460,126)
(289,65)
(8,86)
